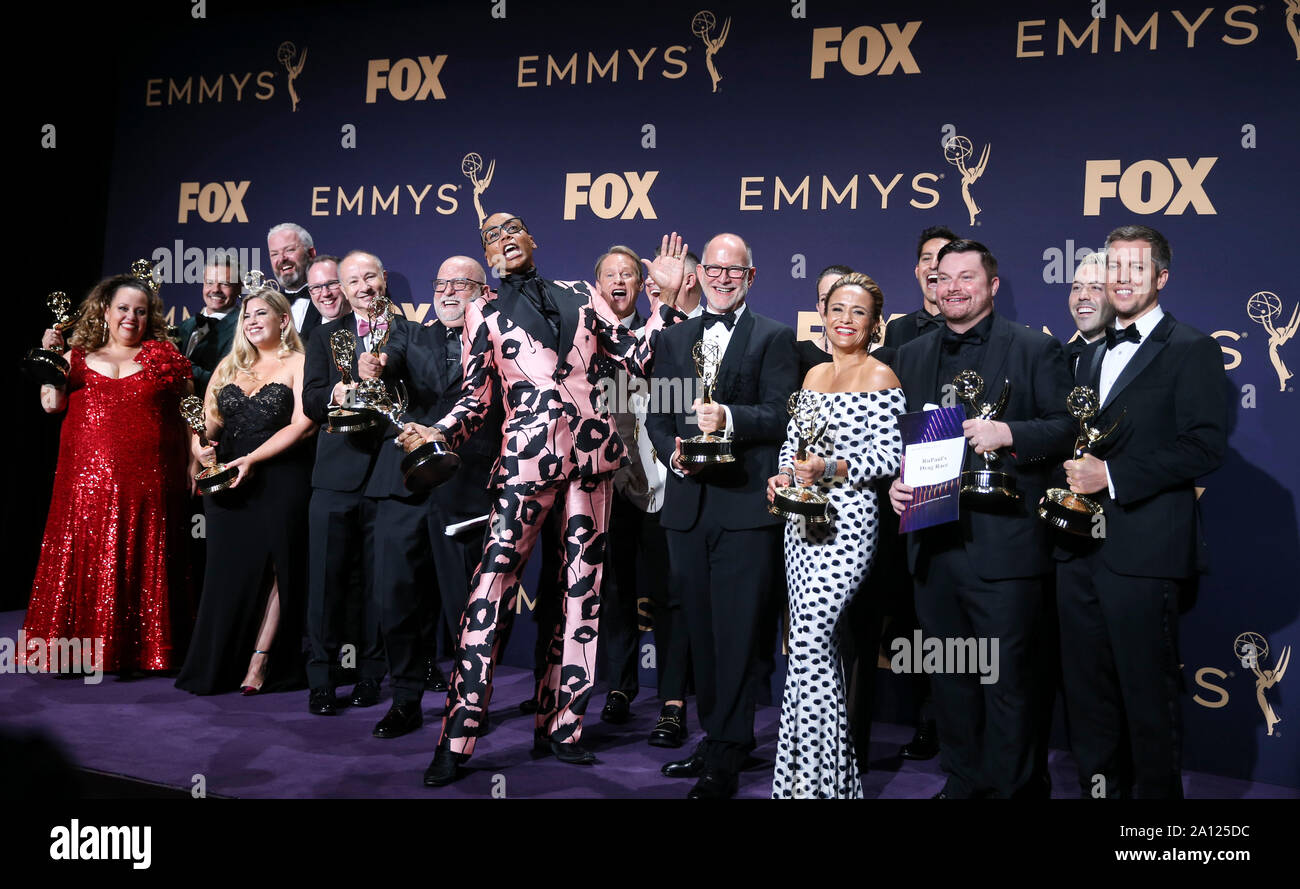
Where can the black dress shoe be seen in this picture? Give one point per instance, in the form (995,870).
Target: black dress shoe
(365,693)
(401,719)
(690,767)
(670,731)
(433,678)
(714,784)
(530,705)
(574,753)
(618,708)
(322,703)
(444,769)
(924,744)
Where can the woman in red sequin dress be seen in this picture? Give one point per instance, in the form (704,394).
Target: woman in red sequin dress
(113,560)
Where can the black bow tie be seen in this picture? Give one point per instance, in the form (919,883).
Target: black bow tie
(712,318)
(925,320)
(1129,334)
(953,341)
(202,321)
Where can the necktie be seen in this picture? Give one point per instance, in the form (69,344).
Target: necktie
(363,328)
(924,321)
(453,344)
(1129,334)
(952,341)
(729,319)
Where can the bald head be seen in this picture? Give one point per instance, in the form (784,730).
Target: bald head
(460,280)
(732,259)
(507,245)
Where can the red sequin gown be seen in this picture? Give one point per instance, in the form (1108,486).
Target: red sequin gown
(113,561)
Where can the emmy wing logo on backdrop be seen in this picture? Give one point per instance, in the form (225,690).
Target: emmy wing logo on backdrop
(471,165)
(1265,308)
(1293,24)
(702,27)
(957,150)
(1251,649)
(285,54)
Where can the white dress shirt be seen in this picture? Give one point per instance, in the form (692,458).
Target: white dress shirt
(1116,359)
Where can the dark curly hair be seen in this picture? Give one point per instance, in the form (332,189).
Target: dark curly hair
(90,332)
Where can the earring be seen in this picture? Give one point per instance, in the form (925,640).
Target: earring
(284,338)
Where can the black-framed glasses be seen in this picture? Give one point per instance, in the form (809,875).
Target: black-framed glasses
(460,285)
(319,289)
(510,227)
(733,271)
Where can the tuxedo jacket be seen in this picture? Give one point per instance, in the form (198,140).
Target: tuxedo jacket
(1171,404)
(1012,543)
(907,328)
(211,348)
(556,423)
(438,381)
(345,460)
(312,319)
(757,375)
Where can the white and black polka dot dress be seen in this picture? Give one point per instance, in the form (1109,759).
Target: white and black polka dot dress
(825,565)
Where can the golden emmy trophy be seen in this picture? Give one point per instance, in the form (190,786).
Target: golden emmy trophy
(215,476)
(1061,507)
(707,447)
(46,365)
(987,487)
(471,165)
(797,500)
(350,416)
(426,465)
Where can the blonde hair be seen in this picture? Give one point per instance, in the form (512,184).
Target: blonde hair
(243,354)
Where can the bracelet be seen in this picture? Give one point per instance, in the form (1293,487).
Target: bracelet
(787,471)
(832,466)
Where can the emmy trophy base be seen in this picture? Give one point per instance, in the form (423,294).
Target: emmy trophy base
(351,419)
(1072,513)
(215,478)
(429,465)
(706,449)
(791,502)
(46,366)
(989,488)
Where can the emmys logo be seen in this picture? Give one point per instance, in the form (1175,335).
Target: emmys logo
(285,55)
(757,194)
(626,196)
(1292,14)
(1147,186)
(1251,649)
(393,200)
(957,150)
(1129,34)
(471,165)
(702,27)
(1265,308)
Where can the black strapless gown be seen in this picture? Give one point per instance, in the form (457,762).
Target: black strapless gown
(255,533)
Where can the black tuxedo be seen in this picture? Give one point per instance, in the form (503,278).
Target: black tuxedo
(903,330)
(1119,591)
(982,577)
(312,319)
(722,542)
(210,347)
(341,519)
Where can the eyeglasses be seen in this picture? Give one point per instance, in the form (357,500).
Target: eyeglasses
(733,271)
(319,289)
(509,227)
(460,285)
(219,284)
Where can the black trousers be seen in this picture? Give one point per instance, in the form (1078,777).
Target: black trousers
(1119,655)
(987,732)
(636,569)
(725,578)
(419,571)
(341,546)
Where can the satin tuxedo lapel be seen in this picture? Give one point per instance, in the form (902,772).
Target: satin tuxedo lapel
(516,310)
(993,366)
(929,371)
(1147,350)
(735,355)
(569,303)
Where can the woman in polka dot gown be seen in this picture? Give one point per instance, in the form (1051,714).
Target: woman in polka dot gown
(826,564)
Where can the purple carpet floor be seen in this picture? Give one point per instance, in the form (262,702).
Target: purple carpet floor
(269,746)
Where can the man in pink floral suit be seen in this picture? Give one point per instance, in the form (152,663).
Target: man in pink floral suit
(544,347)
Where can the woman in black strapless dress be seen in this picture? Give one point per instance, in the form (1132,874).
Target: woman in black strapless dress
(254,590)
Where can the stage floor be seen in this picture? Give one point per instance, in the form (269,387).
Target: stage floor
(271,747)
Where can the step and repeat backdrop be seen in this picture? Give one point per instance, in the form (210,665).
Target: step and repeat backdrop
(821,132)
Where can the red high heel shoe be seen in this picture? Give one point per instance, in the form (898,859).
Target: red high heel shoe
(249,690)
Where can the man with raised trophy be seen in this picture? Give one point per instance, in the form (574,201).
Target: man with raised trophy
(1156,393)
(983,575)
(723,544)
